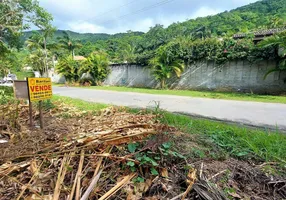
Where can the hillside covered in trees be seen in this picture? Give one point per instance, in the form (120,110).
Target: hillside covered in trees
(82,37)
(133,47)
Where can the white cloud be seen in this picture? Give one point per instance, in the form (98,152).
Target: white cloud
(97,16)
(85,27)
(205,11)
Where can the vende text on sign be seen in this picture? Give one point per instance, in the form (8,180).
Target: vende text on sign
(39,89)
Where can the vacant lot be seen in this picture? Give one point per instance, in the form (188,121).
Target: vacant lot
(101,151)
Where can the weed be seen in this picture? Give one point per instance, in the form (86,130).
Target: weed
(48,105)
(6,95)
(236,141)
(138,180)
(151,159)
(198,153)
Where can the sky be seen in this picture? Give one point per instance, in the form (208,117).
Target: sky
(117,16)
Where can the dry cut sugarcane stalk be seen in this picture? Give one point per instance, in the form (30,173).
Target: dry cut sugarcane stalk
(61,176)
(79,171)
(28,184)
(91,186)
(77,194)
(117,187)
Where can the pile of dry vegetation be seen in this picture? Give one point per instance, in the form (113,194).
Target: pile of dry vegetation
(117,155)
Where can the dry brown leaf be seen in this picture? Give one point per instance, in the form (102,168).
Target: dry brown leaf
(36,197)
(152,198)
(164,173)
(33,166)
(234,195)
(191,177)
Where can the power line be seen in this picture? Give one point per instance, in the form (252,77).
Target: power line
(140,10)
(113,9)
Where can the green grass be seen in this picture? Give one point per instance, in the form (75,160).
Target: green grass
(80,104)
(203,94)
(237,141)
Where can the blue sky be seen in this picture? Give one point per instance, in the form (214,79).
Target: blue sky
(114,16)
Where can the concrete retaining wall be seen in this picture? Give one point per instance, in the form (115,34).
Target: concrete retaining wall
(234,76)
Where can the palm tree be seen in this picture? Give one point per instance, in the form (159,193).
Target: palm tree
(38,42)
(97,66)
(68,43)
(128,53)
(162,67)
(37,62)
(69,68)
(277,41)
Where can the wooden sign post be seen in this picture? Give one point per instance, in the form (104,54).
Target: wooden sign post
(21,92)
(39,89)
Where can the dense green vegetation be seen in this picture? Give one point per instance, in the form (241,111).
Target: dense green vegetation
(258,16)
(6,94)
(205,38)
(83,37)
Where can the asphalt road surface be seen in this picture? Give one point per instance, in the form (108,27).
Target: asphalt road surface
(270,115)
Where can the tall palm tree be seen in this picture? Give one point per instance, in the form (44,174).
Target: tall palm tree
(278,42)
(38,42)
(37,62)
(162,67)
(69,43)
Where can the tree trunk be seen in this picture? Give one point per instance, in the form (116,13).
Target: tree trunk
(46,57)
(73,54)
(163,83)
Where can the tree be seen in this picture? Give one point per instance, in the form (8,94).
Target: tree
(278,42)
(36,61)
(16,16)
(37,43)
(69,68)
(69,43)
(127,53)
(96,65)
(163,67)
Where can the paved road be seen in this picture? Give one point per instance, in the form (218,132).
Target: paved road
(249,113)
